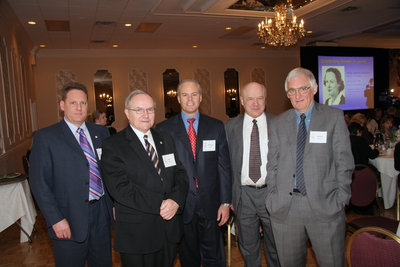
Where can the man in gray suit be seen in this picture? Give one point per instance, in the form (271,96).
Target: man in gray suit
(248,146)
(309,174)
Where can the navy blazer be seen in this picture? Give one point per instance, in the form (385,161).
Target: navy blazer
(59,177)
(211,168)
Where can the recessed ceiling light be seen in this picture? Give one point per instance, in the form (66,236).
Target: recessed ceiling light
(228,28)
(31,22)
(309,31)
(128,25)
(263,47)
(42,45)
(195,46)
(115,45)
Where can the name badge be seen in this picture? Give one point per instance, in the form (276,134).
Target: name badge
(208,145)
(169,160)
(99,151)
(318,137)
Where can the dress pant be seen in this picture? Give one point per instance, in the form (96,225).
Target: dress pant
(327,237)
(95,249)
(250,214)
(202,242)
(162,258)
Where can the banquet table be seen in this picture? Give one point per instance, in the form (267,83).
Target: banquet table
(16,204)
(385,165)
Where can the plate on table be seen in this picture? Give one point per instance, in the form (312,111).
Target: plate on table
(11,175)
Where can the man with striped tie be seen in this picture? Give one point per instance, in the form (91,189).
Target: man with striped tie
(148,183)
(67,184)
(308,176)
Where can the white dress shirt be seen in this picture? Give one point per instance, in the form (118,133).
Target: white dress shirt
(263,132)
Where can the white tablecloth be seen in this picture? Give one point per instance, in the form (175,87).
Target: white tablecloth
(385,165)
(16,203)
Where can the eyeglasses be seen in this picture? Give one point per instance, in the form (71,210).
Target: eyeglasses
(141,111)
(302,90)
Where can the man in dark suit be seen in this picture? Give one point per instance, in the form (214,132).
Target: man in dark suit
(202,147)
(148,183)
(249,173)
(309,175)
(67,185)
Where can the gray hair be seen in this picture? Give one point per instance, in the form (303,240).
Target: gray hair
(135,93)
(298,72)
(189,81)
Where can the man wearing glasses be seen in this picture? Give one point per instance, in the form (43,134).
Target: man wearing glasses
(203,149)
(148,183)
(308,176)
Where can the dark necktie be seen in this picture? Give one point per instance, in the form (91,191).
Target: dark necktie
(255,155)
(301,142)
(95,183)
(152,154)
(192,136)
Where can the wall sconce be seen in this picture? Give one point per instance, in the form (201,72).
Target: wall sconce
(106,98)
(171,93)
(232,93)
(232,107)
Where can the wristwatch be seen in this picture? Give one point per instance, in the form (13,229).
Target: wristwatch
(226,204)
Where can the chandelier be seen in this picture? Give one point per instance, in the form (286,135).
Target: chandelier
(283,30)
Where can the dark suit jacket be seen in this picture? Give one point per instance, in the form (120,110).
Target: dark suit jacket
(59,177)
(234,132)
(138,191)
(327,166)
(362,152)
(212,168)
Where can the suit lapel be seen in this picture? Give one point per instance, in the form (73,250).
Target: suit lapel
(201,134)
(95,139)
(160,146)
(238,131)
(291,124)
(70,139)
(182,135)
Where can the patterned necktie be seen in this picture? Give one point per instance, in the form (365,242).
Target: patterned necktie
(95,183)
(301,142)
(192,136)
(255,155)
(152,153)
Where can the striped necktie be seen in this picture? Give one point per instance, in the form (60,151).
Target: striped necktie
(301,143)
(152,154)
(95,184)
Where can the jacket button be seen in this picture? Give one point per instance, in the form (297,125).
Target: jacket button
(87,182)
(290,193)
(294,175)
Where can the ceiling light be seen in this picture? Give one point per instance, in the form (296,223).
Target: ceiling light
(195,46)
(42,45)
(283,29)
(115,45)
(309,31)
(228,28)
(128,25)
(31,22)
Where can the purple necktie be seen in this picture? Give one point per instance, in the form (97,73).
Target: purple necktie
(255,154)
(95,183)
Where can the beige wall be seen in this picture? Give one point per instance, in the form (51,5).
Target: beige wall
(16,91)
(84,64)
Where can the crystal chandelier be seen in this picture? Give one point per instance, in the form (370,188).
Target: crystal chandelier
(283,30)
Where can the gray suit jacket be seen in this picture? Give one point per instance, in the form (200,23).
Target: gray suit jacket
(327,166)
(234,133)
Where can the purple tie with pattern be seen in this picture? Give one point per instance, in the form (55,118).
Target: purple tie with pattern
(95,184)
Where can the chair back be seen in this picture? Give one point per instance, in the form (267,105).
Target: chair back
(373,247)
(364,187)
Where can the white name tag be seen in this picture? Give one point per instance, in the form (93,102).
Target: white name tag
(208,145)
(99,151)
(318,137)
(169,160)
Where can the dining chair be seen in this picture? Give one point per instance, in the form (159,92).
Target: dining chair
(373,247)
(364,192)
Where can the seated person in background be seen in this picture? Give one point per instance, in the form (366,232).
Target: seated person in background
(360,148)
(386,126)
(397,160)
(361,119)
(372,124)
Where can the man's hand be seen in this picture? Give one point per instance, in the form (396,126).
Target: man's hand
(223,214)
(62,229)
(168,209)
